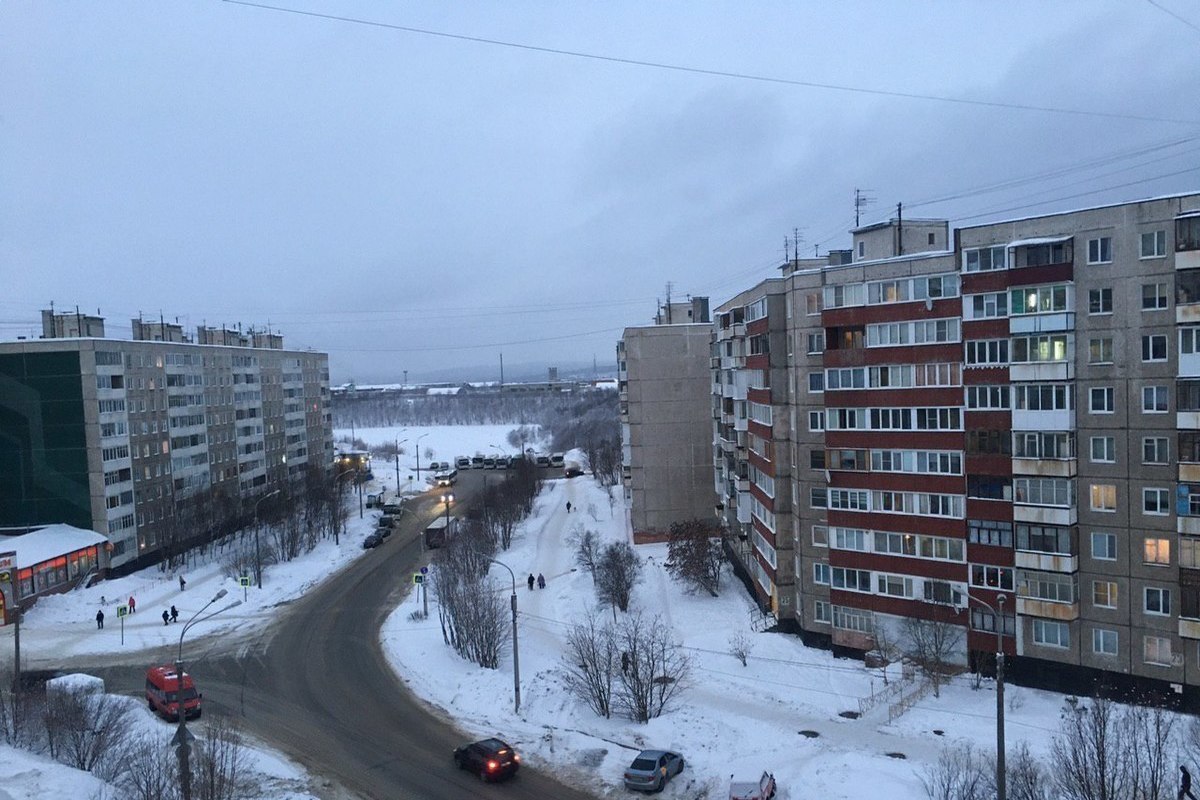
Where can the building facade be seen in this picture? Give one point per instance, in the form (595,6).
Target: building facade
(663,385)
(117,435)
(996,430)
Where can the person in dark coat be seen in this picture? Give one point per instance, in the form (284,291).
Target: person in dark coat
(100,619)
(541,581)
(1185,783)
(166,618)
(174,614)
(530,581)
(182,583)
(568,506)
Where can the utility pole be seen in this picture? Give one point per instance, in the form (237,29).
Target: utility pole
(899,229)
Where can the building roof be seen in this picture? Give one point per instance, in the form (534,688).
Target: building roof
(49,542)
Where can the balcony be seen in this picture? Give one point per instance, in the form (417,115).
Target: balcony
(1047,609)
(1189,473)
(742,424)
(1045,515)
(1189,628)
(1046,562)
(1048,468)
(1023,420)
(1041,323)
(1041,372)
(1187,525)
(742,484)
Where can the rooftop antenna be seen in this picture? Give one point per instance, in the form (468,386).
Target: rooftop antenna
(796,239)
(861,201)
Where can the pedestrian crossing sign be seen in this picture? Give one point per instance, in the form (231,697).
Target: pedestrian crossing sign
(418,578)
(122,611)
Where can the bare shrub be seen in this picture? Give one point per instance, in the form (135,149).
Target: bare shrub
(471,613)
(695,555)
(219,762)
(590,665)
(146,768)
(617,572)
(1149,735)
(887,644)
(739,647)
(658,668)
(82,728)
(1025,777)
(960,773)
(587,550)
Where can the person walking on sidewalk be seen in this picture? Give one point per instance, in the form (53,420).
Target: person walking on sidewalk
(182,583)
(174,614)
(530,581)
(166,617)
(100,619)
(541,581)
(132,605)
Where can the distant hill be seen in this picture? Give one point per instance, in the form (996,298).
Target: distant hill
(514,373)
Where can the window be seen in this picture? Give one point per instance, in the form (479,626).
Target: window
(1044,491)
(1156,650)
(1155,450)
(983,259)
(818,497)
(988,306)
(1153,244)
(1189,556)
(1104,642)
(986,531)
(1044,539)
(1104,450)
(1038,299)
(1100,250)
(1155,501)
(1051,634)
(1157,601)
(854,580)
(1156,551)
(1104,497)
(1101,400)
(988,397)
(1100,301)
(821,573)
(992,577)
(1104,594)
(942,592)
(1189,340)
(816,420)
(816,382)
(1045,397)
(1104,546)
(983,352)
(862,249)
(1154,348)
(820,536)
(816,342)
(1154,296)
(1100,350)
(816,459)
(1040,349)
(821,612)
(1154,399)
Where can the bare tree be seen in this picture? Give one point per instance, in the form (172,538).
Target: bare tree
(960,773)
(1149,735)
(219,771)
(616,574)
(887,644)
(145,769)
(587,550)
(590,665)
(658,668)
(933,644)
(472,615)
(1025,777)
(695,555)
(82,728)
(1088,759)
(739,647)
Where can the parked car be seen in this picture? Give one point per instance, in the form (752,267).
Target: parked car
(651,770)
(762,789)
(393,508)
(384,528)
(372,540)
(490,759)
(462,462)
(542,461)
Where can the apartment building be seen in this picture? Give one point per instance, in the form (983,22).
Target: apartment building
(116,435)
(997,430)
(663,383)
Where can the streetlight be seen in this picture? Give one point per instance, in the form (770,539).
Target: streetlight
(999,617)
(182,737)
(419,438)
(516,660)
(257,553)
(398,443)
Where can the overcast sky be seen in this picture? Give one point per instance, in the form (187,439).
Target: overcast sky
(411,201)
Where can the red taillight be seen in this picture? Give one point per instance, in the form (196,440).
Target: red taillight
(492,765)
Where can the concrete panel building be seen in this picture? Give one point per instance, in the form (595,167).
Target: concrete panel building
(117,435)
(666,420)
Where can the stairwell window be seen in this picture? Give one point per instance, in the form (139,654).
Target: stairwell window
(1153,244)
(1100,250)
(1104,642)
(1156,650)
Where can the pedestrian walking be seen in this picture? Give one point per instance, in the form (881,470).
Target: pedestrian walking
(103,602)
(174,614)
(1185,784)
(132,605)
(541,581)
(568,506)
(100,619)
(624,662)
(166,618)
(530,581)
(182,583)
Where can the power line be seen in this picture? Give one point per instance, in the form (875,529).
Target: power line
(1166,10)
(721,73)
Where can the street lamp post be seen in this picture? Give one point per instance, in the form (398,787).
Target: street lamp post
(1001,792)
(419,438)
(182,736)
(257,552)
(516,659)
(398,443)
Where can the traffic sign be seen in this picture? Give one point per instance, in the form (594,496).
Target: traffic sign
(424,570)
(418,578)
(243,580)
(122,611)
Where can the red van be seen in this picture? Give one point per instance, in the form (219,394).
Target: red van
(162,693)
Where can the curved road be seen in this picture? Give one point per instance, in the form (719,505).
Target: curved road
(316,685)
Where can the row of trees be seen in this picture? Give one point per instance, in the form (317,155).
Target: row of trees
(96,733)
(396,409)
(1102,751)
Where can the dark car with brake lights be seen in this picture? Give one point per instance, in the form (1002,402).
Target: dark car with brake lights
(490,759)
(651,770)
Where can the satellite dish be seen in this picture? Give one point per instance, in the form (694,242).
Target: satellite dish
(929,304)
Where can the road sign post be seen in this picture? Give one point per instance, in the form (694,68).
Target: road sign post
(425,592)
(122,613)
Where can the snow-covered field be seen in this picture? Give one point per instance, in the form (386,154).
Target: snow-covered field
(732,719)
